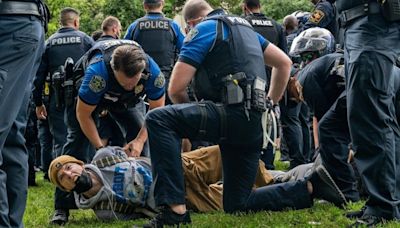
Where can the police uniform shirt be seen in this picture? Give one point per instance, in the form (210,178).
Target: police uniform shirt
(314,78)
(201,38)
(324,16)
(95,83)
(66,42)
(177,30)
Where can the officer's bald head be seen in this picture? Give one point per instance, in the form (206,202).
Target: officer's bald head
(69,17)
(194,9)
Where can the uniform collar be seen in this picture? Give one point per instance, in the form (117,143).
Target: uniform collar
(66,29)
(216,12)
(106,37)
(154,14)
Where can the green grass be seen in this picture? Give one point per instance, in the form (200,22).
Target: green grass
(40,208)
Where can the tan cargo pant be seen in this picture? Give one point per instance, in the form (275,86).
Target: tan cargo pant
(203,174)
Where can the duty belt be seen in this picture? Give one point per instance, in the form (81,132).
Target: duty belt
(359,11)
(21,8)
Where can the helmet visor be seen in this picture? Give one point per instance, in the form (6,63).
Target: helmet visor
(301,44)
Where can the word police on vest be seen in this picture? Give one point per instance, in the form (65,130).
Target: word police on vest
(239,20)
(66,40)
(262,22)
(161,24)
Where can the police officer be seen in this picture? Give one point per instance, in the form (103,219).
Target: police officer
(324,16)
(265,26)
(159,36)
(290,25)
(22,44)
(116,74)
(322,86)
(372,32)
(68,41)
(224,118)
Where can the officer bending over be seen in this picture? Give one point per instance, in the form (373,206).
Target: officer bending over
(117,73)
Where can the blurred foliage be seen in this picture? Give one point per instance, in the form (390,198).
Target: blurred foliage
(94,11)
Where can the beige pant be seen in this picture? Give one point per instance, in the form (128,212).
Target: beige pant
(203,170)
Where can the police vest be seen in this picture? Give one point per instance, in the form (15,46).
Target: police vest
(157,39)
(265,27)
(62,45)
(116,97)
(241,52)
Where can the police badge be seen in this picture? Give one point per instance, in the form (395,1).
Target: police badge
(159,82)
(97,84)
(317,16)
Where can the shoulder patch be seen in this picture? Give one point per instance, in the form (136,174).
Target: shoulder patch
(192,34)
(316,16)
(159,82)
(97,84)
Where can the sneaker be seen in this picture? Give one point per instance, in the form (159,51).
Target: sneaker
(355,214)
(368,221)
(60,217)
(325,188)
(167,217)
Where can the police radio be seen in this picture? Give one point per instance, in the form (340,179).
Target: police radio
(57,80)
(68,84)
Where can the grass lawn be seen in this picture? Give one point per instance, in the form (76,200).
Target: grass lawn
(40,208)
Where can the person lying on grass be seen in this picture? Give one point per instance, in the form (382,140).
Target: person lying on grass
(116,186)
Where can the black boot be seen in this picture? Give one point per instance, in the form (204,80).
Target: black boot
(167,217)
(325,188)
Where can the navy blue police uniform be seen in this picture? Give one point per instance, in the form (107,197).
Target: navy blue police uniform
(22,45)
(160,37)
(273,32)
(323,16)
(66,42)
(371,49)
(324,92)
(238,134)
(99,87)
